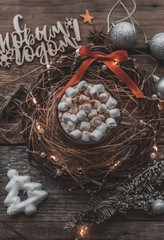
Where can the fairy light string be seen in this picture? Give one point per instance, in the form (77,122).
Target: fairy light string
(79,170)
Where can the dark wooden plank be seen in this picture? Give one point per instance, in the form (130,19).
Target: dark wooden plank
(108,231)
(58,208)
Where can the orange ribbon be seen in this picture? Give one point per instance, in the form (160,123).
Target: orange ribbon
(110,61)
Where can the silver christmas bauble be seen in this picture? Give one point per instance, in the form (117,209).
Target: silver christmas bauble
(157,46)
(158,206)
(159,88)
(123,35)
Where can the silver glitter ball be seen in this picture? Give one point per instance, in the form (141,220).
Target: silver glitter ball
(157,46)
(159,88)
(158,206)
(43,154)
(58,172)
(123,35)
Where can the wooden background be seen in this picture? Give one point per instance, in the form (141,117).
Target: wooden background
(58,208)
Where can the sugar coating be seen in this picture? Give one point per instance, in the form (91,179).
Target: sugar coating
(102,108)
(111,103)
(102,116)
(95,103)
(85,126)
(103,97)
(83,98)
(71,126)
(114,113)
(73,118)
(95,121)
(69,102)
(94,93)
(87,108)
(82,85)
(81,115)
(71,92)
(96,135)
(76,134)
(85,136)
(92,114)
(73,109)
(111,123)
(34,191)
(62,106)
(102,128)
(100,88)
(88,112)
(66,117)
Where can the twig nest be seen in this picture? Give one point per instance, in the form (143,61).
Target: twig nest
(87,112)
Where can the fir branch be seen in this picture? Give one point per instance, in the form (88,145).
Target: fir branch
(136,194)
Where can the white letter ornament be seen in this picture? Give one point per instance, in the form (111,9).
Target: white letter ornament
(23,46)
(34,194)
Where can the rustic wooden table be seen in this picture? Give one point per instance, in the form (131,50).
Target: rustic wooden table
(57,209)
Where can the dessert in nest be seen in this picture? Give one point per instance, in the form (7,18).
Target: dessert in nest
(87,112)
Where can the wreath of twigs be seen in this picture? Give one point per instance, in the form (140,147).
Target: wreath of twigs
(119,157)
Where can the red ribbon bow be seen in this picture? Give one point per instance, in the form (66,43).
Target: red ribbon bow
(110,60)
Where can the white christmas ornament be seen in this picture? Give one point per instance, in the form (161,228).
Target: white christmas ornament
(34,194)
(157,46)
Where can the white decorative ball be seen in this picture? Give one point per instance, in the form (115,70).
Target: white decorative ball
(123,35)
(157,46)
(159,88)
(158,206)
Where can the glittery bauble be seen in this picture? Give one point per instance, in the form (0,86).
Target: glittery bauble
(123,35)
(159,88)
(157,46)
(158,206)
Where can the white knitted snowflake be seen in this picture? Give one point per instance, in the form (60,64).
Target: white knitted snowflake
(33,190)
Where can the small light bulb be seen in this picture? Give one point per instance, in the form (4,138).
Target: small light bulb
(160,107)
(155,148)
(78,51)
(39,128)
(34,100)
(83,230)
(53,157)
(48,66)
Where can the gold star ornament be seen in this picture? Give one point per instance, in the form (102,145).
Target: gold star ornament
(87,17)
